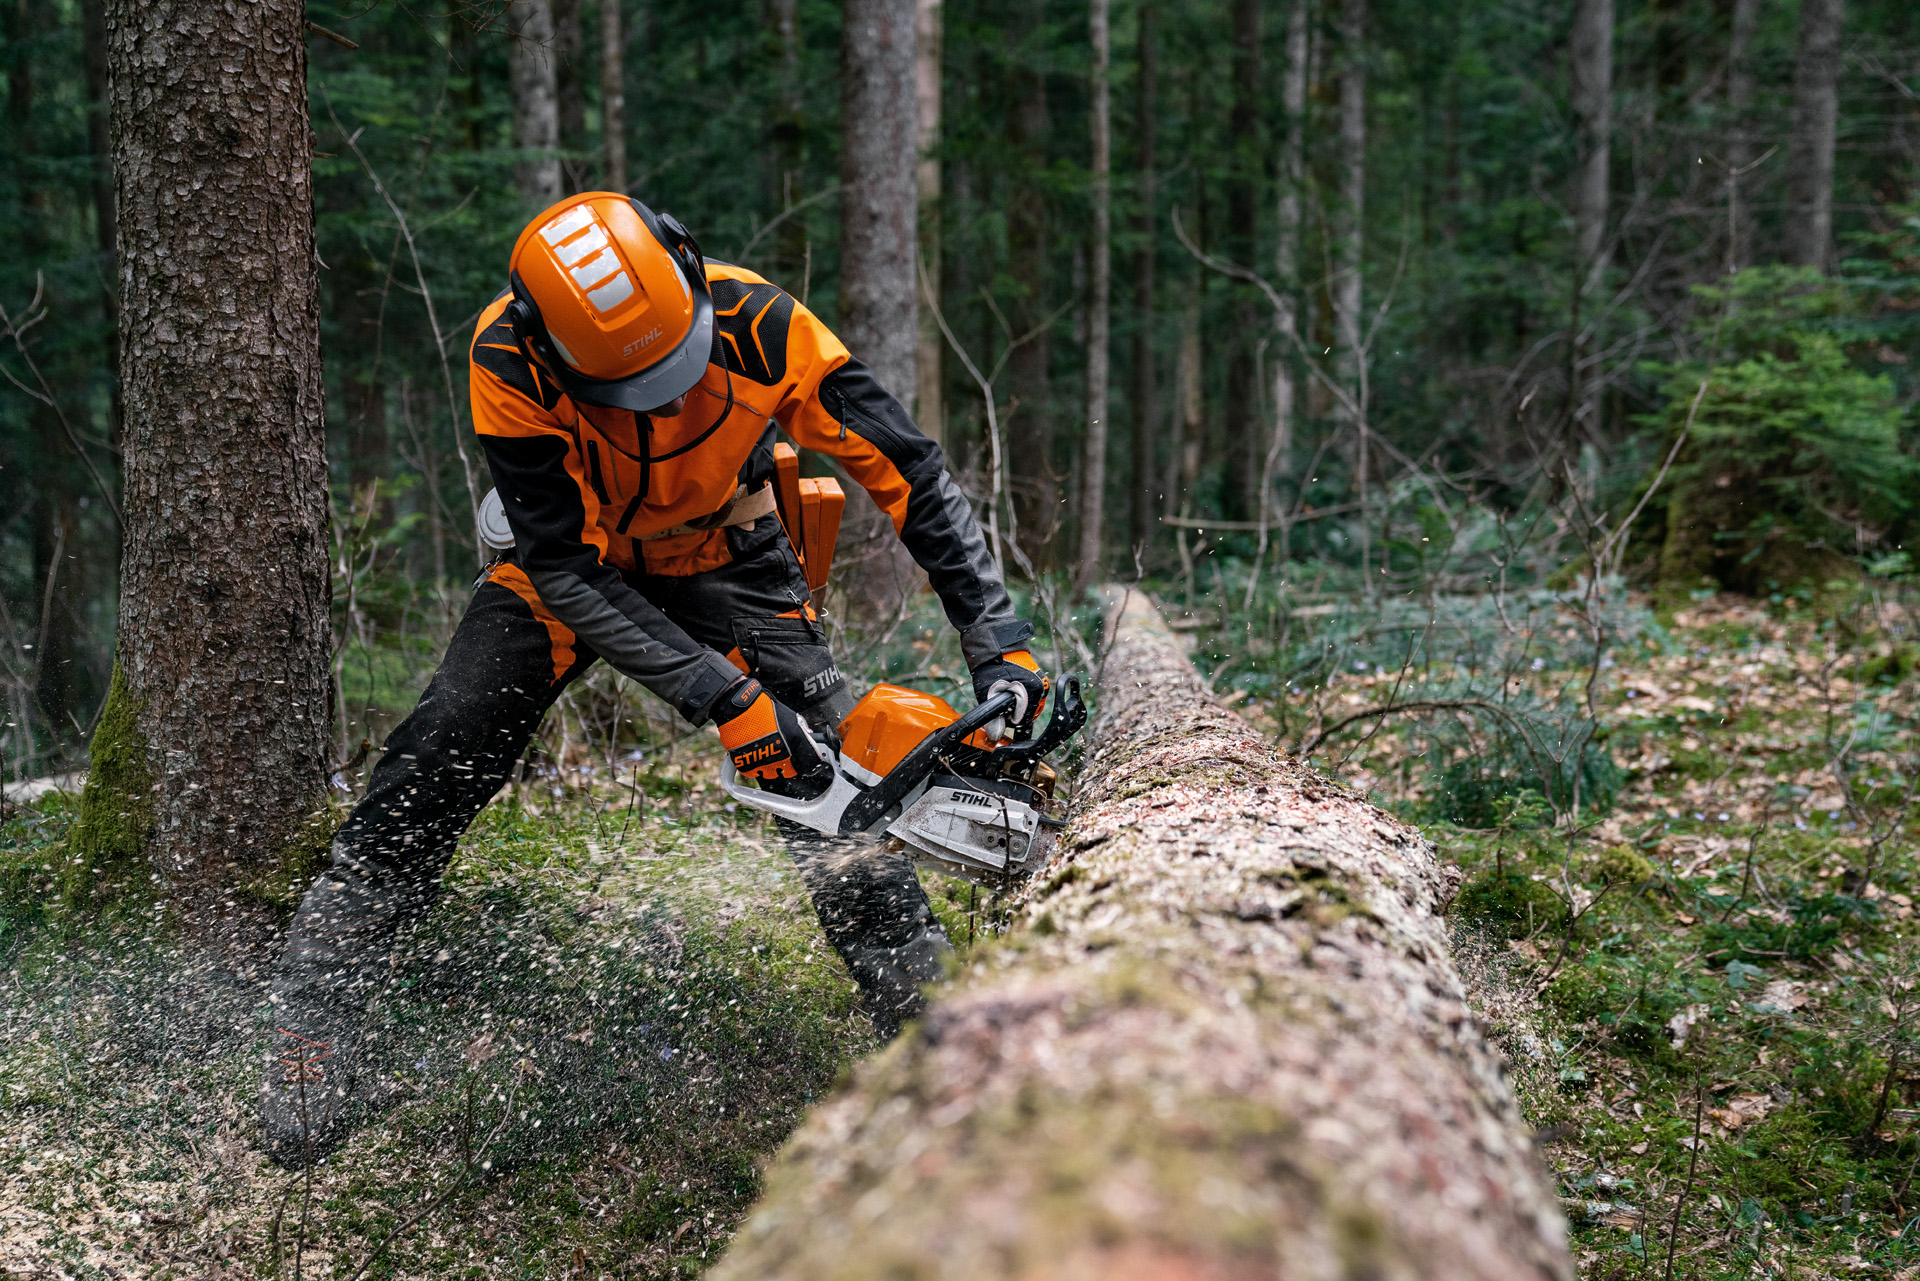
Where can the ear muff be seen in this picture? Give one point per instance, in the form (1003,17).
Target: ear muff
(529,330)
(678,242)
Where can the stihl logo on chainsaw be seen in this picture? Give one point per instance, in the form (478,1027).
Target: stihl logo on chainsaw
(820,682)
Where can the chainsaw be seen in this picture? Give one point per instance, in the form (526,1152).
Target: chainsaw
(913,770)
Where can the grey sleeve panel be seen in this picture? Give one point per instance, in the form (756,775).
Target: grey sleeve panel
(996,629)
(988,640)
(689,678)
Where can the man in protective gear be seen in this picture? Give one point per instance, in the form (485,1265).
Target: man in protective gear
(625,391)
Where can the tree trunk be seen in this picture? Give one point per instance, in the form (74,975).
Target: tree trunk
(221,706)
(1591,56)
(1246,441)
(1816,116)
(790,258)
(100,144)
(1093,456)
(1029,424)
(1349,226)
(879,284)
(1189,410)
(536,100)
(1146,392)
(49,647)
(929,405)
(570,93)
(613,98)
(1286,250)
(1225,1041)
(1740,83)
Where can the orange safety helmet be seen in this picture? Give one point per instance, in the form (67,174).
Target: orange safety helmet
(612,298)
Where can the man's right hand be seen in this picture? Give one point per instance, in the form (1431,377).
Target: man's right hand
(765,739)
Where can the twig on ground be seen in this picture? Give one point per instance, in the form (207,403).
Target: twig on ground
(1693,1163)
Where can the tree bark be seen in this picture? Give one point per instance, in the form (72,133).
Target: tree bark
(790,257)
(224,630)
(1591,65)
(1816,119)
(1740,84)
(1093,456)
(536,99)
(929,404)
(613,98)
(1146,391)
(1029,423)
(1246,447)
(570,94)
(1189,408)
(1286,250)
(1349,226)
(1225,1040)
(879,234)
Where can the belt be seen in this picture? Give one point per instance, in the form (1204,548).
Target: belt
(742,512)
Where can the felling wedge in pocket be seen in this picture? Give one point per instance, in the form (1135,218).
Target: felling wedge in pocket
(810,510)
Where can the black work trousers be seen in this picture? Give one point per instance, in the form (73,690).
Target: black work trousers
(508,661)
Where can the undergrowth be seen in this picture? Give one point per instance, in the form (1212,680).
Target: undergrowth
(1718,935)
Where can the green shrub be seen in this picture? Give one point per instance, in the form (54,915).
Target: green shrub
(1508,905)
(1792,449)
(1513,788)
(1624,865)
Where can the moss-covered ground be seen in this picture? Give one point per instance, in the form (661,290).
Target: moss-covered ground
(618,1009)
(612,1016)
(1706,981)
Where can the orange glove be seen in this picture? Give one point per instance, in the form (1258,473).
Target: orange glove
(1018,672)
(765,739)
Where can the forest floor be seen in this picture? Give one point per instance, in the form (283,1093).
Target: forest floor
(619,1008)
(1707,987)
(622,1004)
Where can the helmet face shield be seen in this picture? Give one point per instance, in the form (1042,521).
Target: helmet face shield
(613,300)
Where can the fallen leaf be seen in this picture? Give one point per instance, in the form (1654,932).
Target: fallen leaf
(1682,1023)
(1743,1110)
(480,1049)
(1782,996)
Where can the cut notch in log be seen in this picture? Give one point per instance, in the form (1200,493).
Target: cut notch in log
(1225,1039)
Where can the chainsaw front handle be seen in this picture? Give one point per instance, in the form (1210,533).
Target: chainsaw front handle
(821,814)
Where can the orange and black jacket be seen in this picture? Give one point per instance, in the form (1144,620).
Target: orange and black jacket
(584,487)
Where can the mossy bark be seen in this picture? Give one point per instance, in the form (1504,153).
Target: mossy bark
(224,624)
(1710,537)
(107,847)
(1224,1039)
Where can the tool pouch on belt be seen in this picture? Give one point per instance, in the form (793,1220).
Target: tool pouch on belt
(810,510)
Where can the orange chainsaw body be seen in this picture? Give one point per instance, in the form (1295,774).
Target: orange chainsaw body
(890,722)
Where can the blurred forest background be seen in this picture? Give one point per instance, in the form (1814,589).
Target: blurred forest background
(1372,264)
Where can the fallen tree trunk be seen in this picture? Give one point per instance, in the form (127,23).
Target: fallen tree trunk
(1224,1040)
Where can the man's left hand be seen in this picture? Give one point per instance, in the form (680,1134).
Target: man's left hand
(1019,673)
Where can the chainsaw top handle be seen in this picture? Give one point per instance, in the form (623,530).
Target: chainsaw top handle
(1069,714)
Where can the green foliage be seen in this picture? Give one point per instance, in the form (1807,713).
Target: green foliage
(1509,904)
(1793,449)
(108,846)
(620,1029)
(1509,786)
(1624,865)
